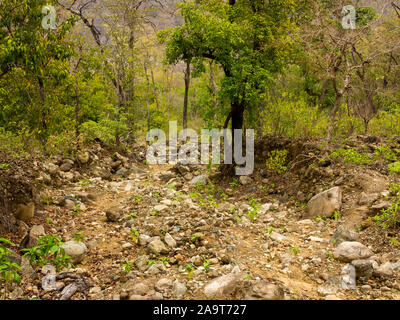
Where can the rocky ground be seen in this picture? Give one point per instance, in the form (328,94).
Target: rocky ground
(178,232)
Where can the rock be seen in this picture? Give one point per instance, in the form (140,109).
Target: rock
(136,170)
(92,244)
(51,168)
(223,286)
(139,289)
(348,277)
(155,269)
(344,233)
(163,285)
(263,290)
(16,293)
(385,270)
(364,268)
(199,180)
(278,237)
(170,241)
(367,199)
(30,240)
(349,251)
(76,250)
(179,289)
(157,247)
(123,172)
(83,157)
(245,180)
(26,269)
(160,208)
(14,257)
(167,176)
(48,269)
(69,204)
(113,215)
(115,165)
(144,239)
(141,263)
(325,203)
(67,166)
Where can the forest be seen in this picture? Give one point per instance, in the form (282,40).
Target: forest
(85,213)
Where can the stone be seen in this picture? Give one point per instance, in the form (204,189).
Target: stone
(141,263)
(178,289)
(67,166)
(223,286)
(349,277)
(364,268)
(113,215)
(157,247)
(83,157)
(14,257)
(144,239)
(123,172)
(245,180)
(164,285)
(199,180)
(30,240)
(367,199)
(139,289)
(325,203)
(170,241)
(263,290)
(385,270)
(344,233)
(351,250)
(155,269)
(76,250)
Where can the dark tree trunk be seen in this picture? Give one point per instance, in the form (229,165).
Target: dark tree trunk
(186,100)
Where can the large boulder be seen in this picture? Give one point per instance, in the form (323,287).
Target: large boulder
(199,180)
(265,291)
(31,238)
(351,250)
(157,247)
(325,203)
(76,250)
(223,286)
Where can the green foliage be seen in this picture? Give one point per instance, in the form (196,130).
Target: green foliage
(78,236)
(126,267)
(351,155)
(394,167)
(276,161)
(390,217)
(189,269)
(48,250)
(8,270)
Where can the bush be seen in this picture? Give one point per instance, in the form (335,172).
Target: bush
(48,251)
(276,161)
(8,270)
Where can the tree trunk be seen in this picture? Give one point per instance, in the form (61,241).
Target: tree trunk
(332,119)
(186,100)
(213,92)
(77,109)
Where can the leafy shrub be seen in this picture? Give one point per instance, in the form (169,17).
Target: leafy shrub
(351,155)
(8,270)
(48,251)
(394,167)
(276,161)
(390,217)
